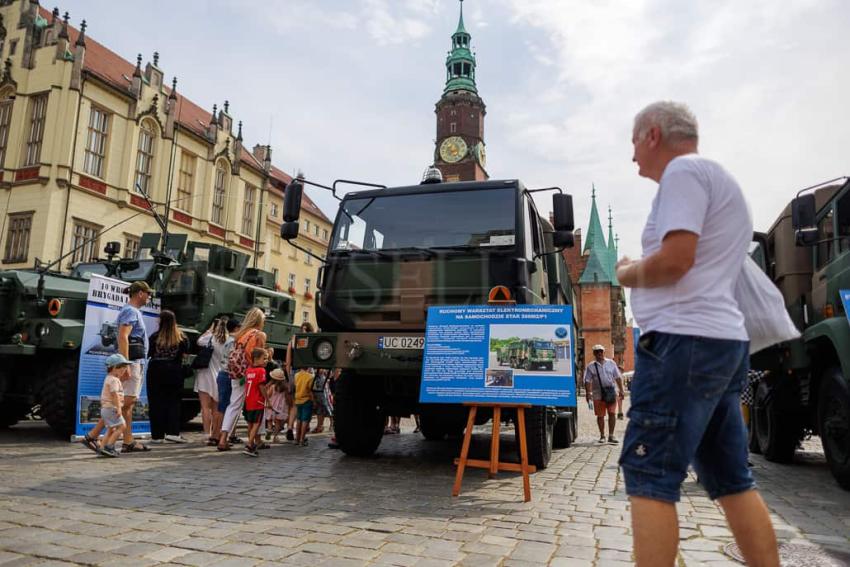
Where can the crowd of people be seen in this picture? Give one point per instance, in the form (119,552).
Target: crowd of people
(236,377)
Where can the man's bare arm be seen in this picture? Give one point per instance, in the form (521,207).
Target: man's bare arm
(124,340)
(665,267)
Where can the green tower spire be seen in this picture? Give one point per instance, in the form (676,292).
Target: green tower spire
(460,63)
(612,249)
(598,268)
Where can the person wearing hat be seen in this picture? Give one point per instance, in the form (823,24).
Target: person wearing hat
(277,412)
(133,346)
(112,400)
(599,375)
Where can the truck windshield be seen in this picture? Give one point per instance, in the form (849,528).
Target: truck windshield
(427,220)
(181,281)
(545,345)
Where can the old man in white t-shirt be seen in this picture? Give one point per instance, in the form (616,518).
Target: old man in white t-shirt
(692,358)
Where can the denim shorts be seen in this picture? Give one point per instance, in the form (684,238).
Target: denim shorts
(305,411)
(224,390)
(686,410)
(112,417)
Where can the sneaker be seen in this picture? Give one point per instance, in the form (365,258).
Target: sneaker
(157,441)
(305,442)
(620,415)
(290,436)
(176,439)
(602,439)
(251,451)
(612,440)
(234,440)
(108,451)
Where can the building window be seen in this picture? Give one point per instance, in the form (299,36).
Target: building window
(308,259)
(18,238)
(291,281)
(84,241)
(273,209)
(316,230)
(305,316)
(276,242)
(218,196)
(38,111)
(307,227)
(307,283)
(453,127)
(248,210)
(131,247)
(5,118)
(186,182)
(96,142)
(144,158)
(276,273)
(13,47)
(324,234)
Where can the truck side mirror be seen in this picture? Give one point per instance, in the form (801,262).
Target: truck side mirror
(803,220)
(562,212)
(292,202)
(563,239)
(289,230)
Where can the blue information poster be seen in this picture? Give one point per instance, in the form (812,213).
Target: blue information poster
(845,299)
(499,354)
(100,339)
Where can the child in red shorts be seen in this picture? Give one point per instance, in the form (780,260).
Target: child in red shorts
(256,396)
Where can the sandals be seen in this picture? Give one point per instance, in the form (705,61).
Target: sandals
(319,430)
(212,442)
(224,448)
(135,447)
(90,442)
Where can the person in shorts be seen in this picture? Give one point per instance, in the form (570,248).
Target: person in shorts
(693,356)
(304,400)
(603,372)
(112,400)
(256,396)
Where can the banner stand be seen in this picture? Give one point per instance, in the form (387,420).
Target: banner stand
(493,465)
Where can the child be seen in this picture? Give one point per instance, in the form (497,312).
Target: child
(278,411)
(256,396)
(111,401)
(304,400)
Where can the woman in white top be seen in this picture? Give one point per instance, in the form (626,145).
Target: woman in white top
(205,378)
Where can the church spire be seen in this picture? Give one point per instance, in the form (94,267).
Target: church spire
(598,267)
(612,249)
(460,63)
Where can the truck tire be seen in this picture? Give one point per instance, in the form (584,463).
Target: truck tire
(431,428)
(752,438)
(189,410)
(834,424)
(539,436)
(11,412)
(58,395)
(358,420)
(563,433)
(777,434)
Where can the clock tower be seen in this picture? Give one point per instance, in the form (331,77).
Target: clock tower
(460,153)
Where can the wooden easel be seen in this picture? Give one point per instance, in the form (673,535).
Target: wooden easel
(494,465)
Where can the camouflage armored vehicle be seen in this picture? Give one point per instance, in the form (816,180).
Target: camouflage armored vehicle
(42,317)
(805,384)
(529,354)
(395,252)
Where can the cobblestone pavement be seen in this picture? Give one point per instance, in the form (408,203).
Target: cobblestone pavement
(190,505)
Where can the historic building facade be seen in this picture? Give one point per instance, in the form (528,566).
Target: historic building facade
(460,154)
(85,134)
(600,299)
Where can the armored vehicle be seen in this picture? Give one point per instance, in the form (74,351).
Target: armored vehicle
(397,251)
(42,316)
(805,384)
(528,354)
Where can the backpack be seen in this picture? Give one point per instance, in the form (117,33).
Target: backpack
(237,360)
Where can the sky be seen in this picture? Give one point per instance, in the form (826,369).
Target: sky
(346,88)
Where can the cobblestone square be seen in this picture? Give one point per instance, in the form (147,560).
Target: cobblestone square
(191,505)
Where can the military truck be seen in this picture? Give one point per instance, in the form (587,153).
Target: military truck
(805,384)
(395,252)
(42,316)
(528,354)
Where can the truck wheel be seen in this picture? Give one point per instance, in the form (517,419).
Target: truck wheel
(539,436)
(358,420)
(189,410)
(58,395)
(834,424)
(752,438)
(563,433)
(11,412)
(777,435)
(526,365)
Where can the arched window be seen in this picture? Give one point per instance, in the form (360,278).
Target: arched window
(6,102)
(144,157)
(219,193)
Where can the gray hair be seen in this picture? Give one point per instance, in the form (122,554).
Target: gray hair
(675,120)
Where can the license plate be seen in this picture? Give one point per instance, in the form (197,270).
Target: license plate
(409,343)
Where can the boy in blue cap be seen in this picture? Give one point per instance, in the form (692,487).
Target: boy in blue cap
(112,400)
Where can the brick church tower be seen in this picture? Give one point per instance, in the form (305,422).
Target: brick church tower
(460,153)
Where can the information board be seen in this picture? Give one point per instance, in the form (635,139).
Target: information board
(499,354)
(100,339)
(845,299)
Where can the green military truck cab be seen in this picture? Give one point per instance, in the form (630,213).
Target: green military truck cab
(805,388)
(528,354)
(395,252)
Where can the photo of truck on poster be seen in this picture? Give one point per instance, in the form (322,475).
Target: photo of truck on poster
(499,354)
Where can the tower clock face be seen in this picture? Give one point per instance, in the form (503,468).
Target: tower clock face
(453,149)
(481,154)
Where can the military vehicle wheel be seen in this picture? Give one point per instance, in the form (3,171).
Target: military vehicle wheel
(563,433)
(189,410)
(777,435)
(834,424)
(752,438)
(526,365)
(58,395)
(539,436)
(11,412)
(431,428)
(358,420)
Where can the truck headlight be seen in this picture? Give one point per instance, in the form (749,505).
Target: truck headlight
(324,350)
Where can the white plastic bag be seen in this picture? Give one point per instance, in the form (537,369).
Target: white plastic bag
(765,317)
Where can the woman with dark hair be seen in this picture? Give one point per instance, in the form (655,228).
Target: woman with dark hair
(165,379)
